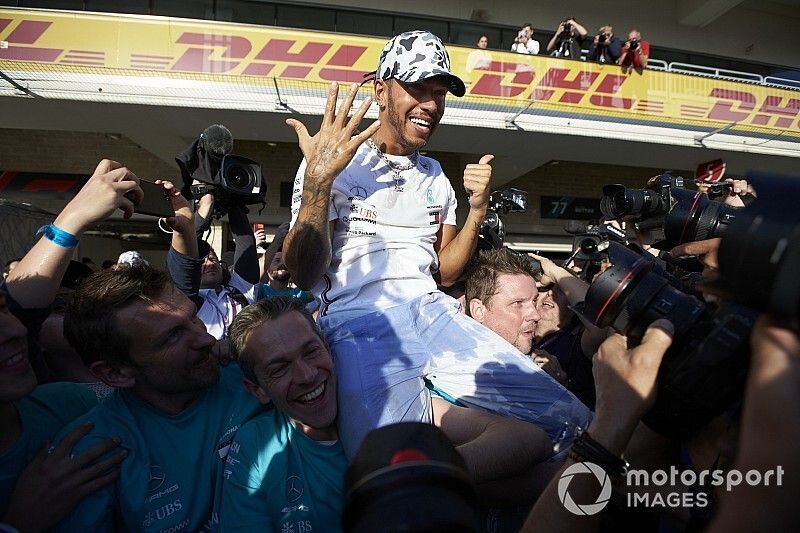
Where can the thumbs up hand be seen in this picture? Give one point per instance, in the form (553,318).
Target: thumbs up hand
(477,179)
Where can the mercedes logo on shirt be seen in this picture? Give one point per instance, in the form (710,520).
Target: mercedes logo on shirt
(294,489)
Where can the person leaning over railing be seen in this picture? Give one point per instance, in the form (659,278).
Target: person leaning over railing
(635,51)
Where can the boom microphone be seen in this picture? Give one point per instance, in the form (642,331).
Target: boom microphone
(217,141)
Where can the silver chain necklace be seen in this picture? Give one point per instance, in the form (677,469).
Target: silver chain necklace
(394,167)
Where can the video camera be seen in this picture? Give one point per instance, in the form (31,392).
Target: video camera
(492,232)
(590,245)
(232,179)
(666,208)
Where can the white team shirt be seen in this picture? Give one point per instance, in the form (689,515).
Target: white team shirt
(383,240)
(219,309)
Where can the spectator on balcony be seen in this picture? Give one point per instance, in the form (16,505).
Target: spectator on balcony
(480,58)
(635,52)
(524,43)
(567,40)
(606,47)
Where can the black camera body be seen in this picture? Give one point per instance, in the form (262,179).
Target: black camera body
(654,200)
(566,33)
(602,37)
(633,44)
(590,247)
(704,370)
(492,232)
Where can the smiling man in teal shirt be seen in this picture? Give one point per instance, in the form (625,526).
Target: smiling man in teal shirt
(285,468)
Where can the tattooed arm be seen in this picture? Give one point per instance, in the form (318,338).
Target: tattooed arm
(307,248)
(455,249)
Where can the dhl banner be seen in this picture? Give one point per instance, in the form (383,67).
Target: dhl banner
(61,41)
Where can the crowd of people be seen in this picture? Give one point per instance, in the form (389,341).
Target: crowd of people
(571,36)
(205,397)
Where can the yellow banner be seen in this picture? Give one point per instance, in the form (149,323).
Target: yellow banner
(252,55)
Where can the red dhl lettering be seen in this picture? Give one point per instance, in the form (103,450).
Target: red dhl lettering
(26,33)
(725,111)
(278,50)
(223,53)
(201,60)
(611,85)
(740,107)
(786,113)
(216,54)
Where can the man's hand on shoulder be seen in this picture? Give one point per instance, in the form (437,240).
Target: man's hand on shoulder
(55,482)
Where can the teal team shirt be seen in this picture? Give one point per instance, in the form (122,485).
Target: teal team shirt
(42,414)
(172,476)
(278,479)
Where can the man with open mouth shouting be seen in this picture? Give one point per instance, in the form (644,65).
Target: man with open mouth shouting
(374,231)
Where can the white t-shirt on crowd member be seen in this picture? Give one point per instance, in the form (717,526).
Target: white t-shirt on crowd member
(220,308)
(383,240)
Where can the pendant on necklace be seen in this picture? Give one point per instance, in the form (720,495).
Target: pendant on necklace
(397,186)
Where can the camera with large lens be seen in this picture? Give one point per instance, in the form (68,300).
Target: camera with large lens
(408,477)
(232,179)
(694,217)
(704,370)
(621,203)
(672,214)
(602,37)
(633,44)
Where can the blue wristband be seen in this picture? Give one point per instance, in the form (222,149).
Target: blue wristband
(58,236)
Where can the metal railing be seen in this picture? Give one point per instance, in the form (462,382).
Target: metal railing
(712,72)
(735,75)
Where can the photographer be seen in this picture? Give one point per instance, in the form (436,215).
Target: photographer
(635,52)
(224,294)
(524,43)
(567,40)
(564,345)
(625,379)
(606,47)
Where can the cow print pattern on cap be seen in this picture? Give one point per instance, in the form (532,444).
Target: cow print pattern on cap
(416,56)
